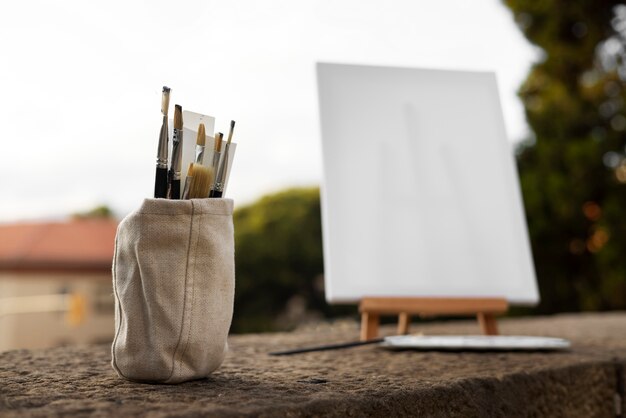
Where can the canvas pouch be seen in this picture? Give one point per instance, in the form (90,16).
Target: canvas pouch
(173,282)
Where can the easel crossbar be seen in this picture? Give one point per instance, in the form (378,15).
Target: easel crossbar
(426,306)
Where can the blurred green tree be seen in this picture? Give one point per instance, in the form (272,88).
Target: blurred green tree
(573,172)
(279,262)
(102,211)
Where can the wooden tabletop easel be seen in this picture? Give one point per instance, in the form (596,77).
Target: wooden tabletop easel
(371,308)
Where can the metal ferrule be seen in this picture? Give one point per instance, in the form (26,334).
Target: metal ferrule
(221,173)
(163,138)
(199,154)
(185,193)
(177,154)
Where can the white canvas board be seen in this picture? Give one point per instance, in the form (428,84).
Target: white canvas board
(475,342)
(420,194)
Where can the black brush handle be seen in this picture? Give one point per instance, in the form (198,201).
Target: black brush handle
(327,347)
(216,193)
(175,189)
(160,183)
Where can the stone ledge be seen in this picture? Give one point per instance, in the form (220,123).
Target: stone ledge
(364,381)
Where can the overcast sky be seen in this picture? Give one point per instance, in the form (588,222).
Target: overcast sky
(81,85)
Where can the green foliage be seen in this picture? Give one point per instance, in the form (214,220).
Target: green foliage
(279,262)
(101,211)
(573,173)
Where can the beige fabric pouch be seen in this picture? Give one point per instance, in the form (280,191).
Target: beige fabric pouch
(174,283)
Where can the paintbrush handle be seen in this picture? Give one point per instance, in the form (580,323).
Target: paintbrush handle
(175,189)
(327,347)
(216,160)
(160,183)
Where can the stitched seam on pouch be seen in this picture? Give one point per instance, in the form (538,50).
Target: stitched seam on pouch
(119,304)
(182,325)
(193,292)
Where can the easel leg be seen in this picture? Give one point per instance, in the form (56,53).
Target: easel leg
(488,323)
(369,325)
(404,320)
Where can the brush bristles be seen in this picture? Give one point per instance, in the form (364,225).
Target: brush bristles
(201,182)
(190,170)
(178,117)
(201,140)
(218,141)
(230,133)
(165,100)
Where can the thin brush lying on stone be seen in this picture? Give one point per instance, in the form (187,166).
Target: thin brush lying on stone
(327,347)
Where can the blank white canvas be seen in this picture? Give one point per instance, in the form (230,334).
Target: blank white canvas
(421,195)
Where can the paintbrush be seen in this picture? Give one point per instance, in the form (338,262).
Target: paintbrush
(220,178)
(201,182)
(177,153)
(217,149)
(327,347)
(160,183)
(188,180)
(200,142)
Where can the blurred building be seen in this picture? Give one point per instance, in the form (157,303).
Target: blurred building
(55,283)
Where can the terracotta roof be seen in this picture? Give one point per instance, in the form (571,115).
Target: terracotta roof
(83,245)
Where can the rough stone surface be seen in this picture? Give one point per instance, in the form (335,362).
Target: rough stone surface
(357,382)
